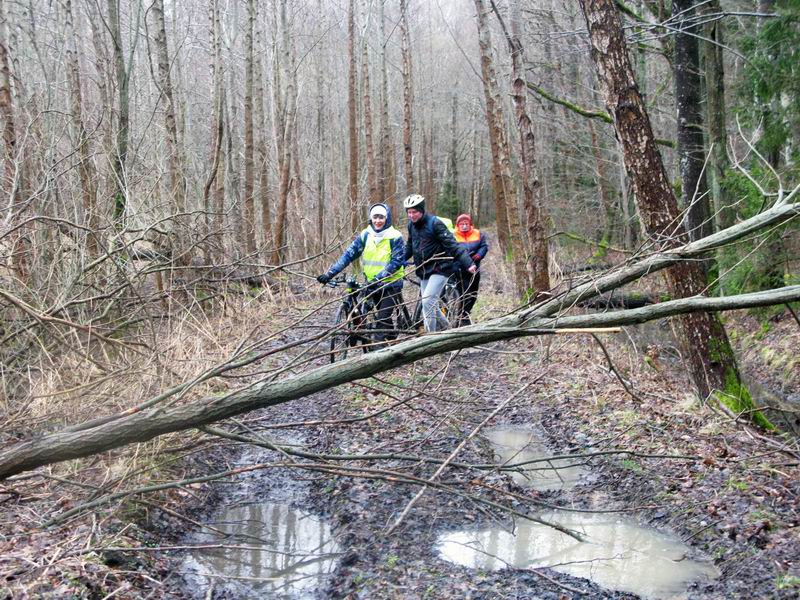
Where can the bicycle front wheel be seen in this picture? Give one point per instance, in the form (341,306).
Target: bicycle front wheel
(342,335)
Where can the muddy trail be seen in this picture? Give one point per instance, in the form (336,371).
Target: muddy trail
(526,469)
(672,500)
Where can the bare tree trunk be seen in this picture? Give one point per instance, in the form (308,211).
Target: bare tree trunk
(86,171)
(286,123)
(487,72)
(352,116)
(262,146)
(369,147)
(249,210)
(691,147)
(11,169)
(606,199)
(213,216)
(321,143)
(408,96)
(712,45)
(386,157)
(452,160)
(123,115)
(708,352)
(536,253)
(175,178)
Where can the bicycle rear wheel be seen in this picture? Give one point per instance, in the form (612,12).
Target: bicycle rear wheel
(451,305)
(342,336)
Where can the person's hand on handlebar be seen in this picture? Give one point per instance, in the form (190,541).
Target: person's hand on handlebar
(473,269)
(324,278)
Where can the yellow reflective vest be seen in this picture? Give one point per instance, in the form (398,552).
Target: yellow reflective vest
(378,254)
(448,223)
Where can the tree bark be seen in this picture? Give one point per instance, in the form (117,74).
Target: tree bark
(487,73)
(249,212)
(408,96)
(284,130)
(11,177)
(86,171)
(386,157)
(262,145)
(719,162)
(369,147)
(691,147)
(175,179)
(352,117)
(536,252)
(707,349)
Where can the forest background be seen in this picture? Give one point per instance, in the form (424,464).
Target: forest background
(167,163)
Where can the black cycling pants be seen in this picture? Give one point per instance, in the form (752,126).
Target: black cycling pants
(467,285)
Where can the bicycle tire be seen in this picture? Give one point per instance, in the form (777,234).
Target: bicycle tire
(451,305)
(341,337)
(366,327)
(418,321)
(404,322)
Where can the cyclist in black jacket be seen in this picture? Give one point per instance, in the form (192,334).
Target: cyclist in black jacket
(435,252)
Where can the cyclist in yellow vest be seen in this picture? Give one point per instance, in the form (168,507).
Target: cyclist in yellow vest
(382,251)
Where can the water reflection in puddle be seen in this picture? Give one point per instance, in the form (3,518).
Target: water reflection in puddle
(269,549)
(520,444)
(617,553)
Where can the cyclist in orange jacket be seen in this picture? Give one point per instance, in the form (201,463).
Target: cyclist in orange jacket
(473,241)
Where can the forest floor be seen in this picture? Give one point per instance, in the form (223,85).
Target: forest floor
(729,492)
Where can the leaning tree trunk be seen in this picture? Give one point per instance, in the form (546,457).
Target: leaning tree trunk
(708,351)
(162,414)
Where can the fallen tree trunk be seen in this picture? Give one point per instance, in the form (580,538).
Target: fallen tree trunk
(544,318)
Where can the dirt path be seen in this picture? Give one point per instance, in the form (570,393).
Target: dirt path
(735,502)
(732,496)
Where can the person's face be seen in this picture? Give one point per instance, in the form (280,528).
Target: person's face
(463,226)
(414,214)
(378,221)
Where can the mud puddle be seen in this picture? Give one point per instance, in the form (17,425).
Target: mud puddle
(259,543)
(615,553)
(524,447)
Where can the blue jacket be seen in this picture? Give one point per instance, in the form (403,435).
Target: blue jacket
(356,249)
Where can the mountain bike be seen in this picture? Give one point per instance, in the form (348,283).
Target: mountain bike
(449,302)
(355,324)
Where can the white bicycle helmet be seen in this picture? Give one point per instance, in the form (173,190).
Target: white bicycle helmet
(413,201)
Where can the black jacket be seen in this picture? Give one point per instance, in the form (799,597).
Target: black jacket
(434,248)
